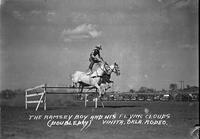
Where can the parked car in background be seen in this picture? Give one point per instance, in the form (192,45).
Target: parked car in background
(133,98)
(126,97)
(165,97)
(141,97)
(183,97)
(156,98)
(149,98)
(194,97)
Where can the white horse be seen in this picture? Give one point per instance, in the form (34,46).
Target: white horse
(94,79)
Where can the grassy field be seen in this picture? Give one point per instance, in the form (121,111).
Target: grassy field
(15,123)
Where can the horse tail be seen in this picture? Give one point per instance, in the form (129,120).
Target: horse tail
(72,79)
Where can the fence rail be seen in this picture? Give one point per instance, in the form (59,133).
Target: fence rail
(43,90)
(33,92)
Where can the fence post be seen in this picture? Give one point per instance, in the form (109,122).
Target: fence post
(95,102)
(45,97)
(86,100)
(26,104)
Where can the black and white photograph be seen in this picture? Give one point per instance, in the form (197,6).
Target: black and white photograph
(99,69)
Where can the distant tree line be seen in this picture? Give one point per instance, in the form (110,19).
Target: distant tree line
(173,87)
(9,94)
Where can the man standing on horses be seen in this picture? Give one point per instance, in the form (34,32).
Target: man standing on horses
(93,57)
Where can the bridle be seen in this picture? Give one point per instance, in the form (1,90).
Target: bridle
(108,70)
(104,67)
(116,69)
(101,69)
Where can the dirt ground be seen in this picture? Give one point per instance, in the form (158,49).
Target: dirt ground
(15,123)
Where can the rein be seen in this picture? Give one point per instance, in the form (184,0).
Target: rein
(106,70)
(97,72)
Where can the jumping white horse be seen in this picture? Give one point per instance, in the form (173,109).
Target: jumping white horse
(94,79)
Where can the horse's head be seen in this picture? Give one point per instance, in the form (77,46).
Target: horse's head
(104,67)
(115,69)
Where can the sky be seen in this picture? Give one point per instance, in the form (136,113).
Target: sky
(154,42)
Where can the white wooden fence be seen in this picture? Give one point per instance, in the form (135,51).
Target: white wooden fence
(34,92)
(41,91)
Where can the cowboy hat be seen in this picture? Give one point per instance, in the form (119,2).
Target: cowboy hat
(99,47)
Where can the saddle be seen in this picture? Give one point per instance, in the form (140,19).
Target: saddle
(105,78)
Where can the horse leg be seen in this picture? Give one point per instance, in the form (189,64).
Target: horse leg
(108,86)
(99,90)
(72,84)
(82,86)
(101,100)
(102,104)
(100,94)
